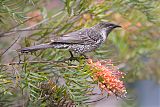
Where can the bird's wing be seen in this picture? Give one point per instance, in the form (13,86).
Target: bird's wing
(77,37)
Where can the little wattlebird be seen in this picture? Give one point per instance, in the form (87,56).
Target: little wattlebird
(81,41)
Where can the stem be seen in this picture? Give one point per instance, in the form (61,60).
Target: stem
(35,62)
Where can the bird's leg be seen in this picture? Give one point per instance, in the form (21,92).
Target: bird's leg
(72,57)
(71,54)
(76,58)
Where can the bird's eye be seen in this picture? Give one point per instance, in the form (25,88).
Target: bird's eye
(109,26)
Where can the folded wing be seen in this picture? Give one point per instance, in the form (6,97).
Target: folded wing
(77,37)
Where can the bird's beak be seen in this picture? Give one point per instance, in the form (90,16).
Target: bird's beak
(117,26)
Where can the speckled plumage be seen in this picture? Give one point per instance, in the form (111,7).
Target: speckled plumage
(81,41)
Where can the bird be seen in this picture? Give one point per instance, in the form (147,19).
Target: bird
(81,41)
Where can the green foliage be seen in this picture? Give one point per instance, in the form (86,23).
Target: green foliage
(148,8)
(77,83)
(15,11)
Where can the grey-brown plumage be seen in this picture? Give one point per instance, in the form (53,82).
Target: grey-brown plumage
(81,41)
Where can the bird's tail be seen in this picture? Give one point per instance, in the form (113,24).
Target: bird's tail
(36,47)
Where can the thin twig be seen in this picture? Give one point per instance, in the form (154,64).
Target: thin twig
(21,30)
(95,100)
(58,66)
(34,62)
(4,33)
(29,62)
(9,46)
(45,20)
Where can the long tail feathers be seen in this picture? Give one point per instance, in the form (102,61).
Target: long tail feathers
(36,47)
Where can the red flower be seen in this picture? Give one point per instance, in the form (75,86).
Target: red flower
(108,77)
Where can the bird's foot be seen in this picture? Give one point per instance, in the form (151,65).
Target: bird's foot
(84,56)
(73,58)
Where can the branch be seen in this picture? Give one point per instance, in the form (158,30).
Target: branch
(46,62)
(95,100)
(45,20)
(9,30)
(9,46)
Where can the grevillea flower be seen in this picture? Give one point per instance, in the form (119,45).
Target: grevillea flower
(108,77)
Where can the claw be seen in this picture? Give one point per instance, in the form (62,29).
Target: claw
(73,58)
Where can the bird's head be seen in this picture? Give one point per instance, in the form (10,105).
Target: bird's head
(106,26)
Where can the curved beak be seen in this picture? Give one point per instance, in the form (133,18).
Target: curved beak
(117,26)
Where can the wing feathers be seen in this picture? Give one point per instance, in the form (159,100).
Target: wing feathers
(77,37)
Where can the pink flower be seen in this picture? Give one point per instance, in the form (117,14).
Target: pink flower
(108,77)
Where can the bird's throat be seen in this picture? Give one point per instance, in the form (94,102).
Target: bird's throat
(104,33)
